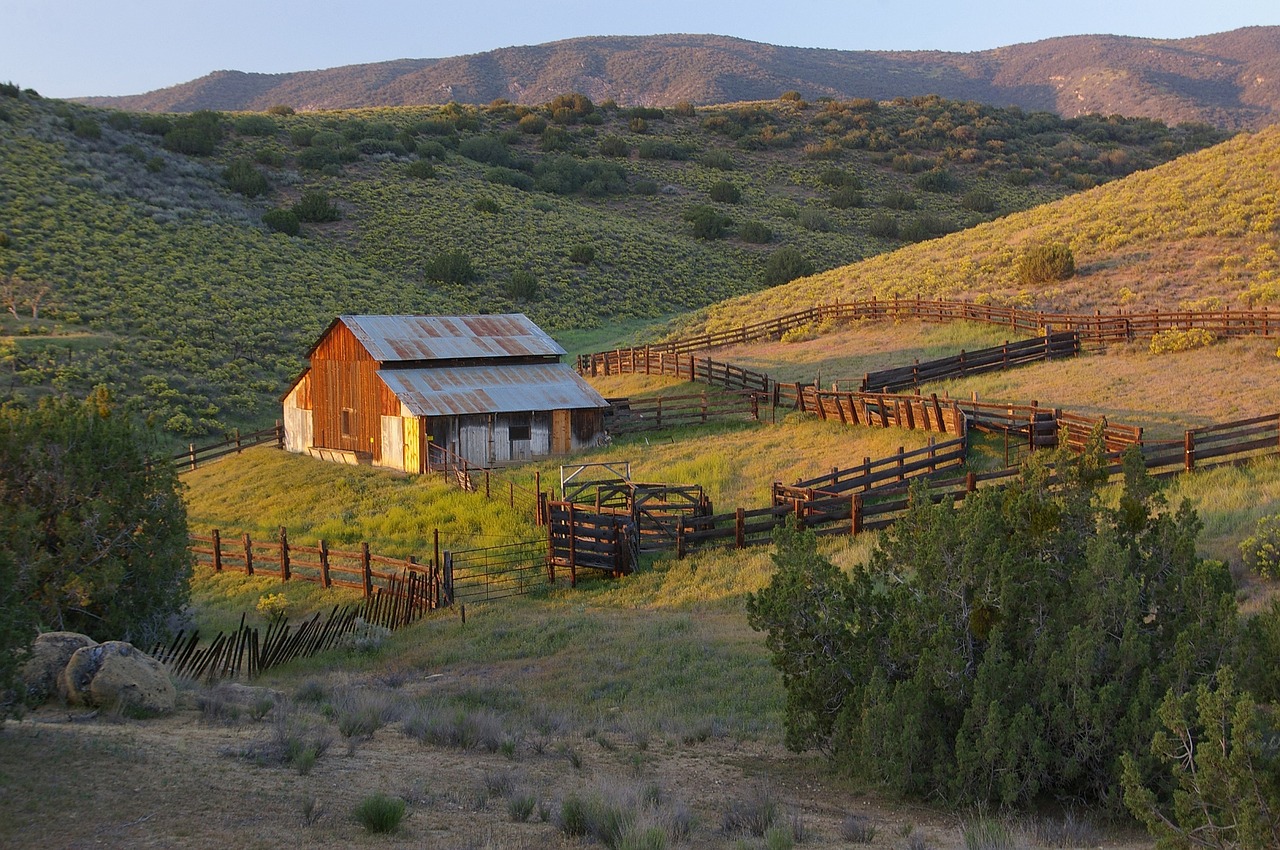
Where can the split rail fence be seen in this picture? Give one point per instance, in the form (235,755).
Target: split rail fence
(196,455)
(1096,328)
(631,415)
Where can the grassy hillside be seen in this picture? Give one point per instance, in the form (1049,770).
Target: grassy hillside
(1201,231)
(1227,79)
(155,278)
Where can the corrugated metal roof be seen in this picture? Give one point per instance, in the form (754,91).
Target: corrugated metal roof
(491,389)
(392,339)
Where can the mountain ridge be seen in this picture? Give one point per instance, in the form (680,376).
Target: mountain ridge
(1229,79)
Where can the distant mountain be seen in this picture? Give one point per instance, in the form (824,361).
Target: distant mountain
(1231,79)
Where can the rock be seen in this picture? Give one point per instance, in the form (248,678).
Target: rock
(116,674)
(42,672)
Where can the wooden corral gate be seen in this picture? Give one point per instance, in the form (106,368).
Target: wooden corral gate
(579,537)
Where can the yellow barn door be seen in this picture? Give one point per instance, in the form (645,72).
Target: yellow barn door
(412,444)
(561,434)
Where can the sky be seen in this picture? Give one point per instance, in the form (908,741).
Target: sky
(81,48)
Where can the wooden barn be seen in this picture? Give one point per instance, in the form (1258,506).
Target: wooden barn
(490,389)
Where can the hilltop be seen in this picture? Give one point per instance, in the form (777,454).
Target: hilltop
(1230,80)
(1201,231)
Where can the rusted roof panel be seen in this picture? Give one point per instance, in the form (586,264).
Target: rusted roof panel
(394,339)
(491,389)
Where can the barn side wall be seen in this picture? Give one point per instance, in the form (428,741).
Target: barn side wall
(298,417)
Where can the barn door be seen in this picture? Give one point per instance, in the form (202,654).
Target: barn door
(561,433)
(412,444)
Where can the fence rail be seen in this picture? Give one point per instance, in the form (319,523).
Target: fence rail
(630,415)
(196,455)
(1007,356)
(1096,328)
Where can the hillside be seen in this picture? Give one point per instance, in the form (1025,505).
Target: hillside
(151,276)
(1230,80)
(1203,230)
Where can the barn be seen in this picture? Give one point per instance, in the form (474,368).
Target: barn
(488,389)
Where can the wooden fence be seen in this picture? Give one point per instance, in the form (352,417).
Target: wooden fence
(491,483)
(831,509)
(883,410)
(579,537)
(631,415)
(1095,328)
(1007,356)
(873,473)
(196,455)
(652,361)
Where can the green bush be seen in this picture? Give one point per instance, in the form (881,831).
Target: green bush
(197,134)
(755,232)
(280,109)
(154,125)
(555,139)
(725,192)
(523,286)
(718,159)
(255,125)
(421,169)
(707,222)
(683,109)
(243,177)
(978,201)
(314,206)
(838,177)
(661,149)
(950,664)
(786,264)
(614,146)
(449,267)
(86,128)
(938,180)
(812,219)
(582,254)
(487,149)
(486,205)
(846,197)
(93,521)
(1046,264)
(1260,551)
(533,124)
(380,814)
(883,226)
(565,175)
(509,177)
(898,201)
(924,226)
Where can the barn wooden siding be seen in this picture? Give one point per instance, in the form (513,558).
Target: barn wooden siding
(345,376)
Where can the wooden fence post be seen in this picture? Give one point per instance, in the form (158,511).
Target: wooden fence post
(279,434)
(901,475)
(970,482)
(855,514)
(284,554)
(1189,450)
(680,542)
(366,570)
(325,580)
(248,554)
(573,549)
(486,484)
(191,450)
(739,529)
(217,551)
(539,506)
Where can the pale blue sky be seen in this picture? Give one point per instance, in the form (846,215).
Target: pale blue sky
(69,48)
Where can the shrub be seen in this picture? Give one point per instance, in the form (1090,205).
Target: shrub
(870,664)
(487,149)
(924,226)
(10,89)
(898,201)
(380,813)
(786,264)
(978,201)
(707,222)
(683,108)
(614,146)
(725,192)
(661,149)
(883,226)
(196,134)
(813,219)
(314,206)
(86,128)
(92,523)
(718,159)
(449,267)
(582,254)
(421,169)
(154,125)
(857,829)
(755,232)
(486,205)
(280,109)
(938,180)
(244,178)
(1169,341)
(1045,264)
(846,197)
(255,125)
(523,286)
(1261,550)
(532,124)
(281,221)
(752,816)
(837,177)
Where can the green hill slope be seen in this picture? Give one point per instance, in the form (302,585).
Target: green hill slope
(154,278)
(1203,230)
